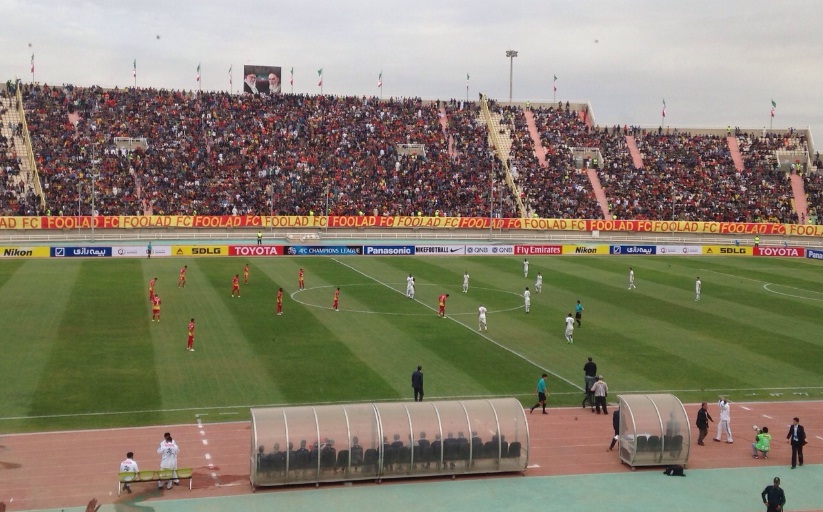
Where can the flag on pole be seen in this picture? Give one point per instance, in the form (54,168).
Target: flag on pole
(380,80)
(134,69)
(467,80)
(664,108)
(774,106)
(230,78)
(291,76)
(320,74)
(555,83)
(32,63)
(198,71)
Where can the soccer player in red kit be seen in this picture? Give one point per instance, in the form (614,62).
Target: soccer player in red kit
(181,280)
(155,308)
(235,285)
(336,302)
(280,301)
(300,283)
(246,274)
(151,289)
(442,303)
(190,344)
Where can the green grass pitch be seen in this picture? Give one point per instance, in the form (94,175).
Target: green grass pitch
(79,349)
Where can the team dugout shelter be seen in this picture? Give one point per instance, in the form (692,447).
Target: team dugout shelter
(654,430)
(373,441)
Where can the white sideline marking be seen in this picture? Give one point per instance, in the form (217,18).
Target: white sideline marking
(439,397)
(471,328)
(767,417)
(745,408)
(228,413)
(532,466)
(821,438)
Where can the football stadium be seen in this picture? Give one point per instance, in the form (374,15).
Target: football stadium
(362,302)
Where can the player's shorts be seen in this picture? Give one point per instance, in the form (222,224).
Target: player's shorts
(569,331)
(541,397)
(156,310)
(578,315)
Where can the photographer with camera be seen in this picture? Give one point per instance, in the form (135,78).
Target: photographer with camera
(762,442)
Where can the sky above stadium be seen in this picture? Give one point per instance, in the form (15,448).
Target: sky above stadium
(714,63)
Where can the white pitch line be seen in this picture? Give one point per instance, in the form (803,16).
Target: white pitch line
(767,417)
(821,438)
(745,408)
(766,287)
(471,328)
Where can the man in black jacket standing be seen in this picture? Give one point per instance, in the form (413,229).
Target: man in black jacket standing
(417,384)
(773,497)
(703,419)
(797,438)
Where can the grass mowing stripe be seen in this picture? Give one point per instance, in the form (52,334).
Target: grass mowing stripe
(30,324)
(119,347)
(306,354)
(484,336)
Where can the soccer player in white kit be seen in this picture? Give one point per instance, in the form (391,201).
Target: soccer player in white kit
(168,451)
(481,319)
(465,282)
(631,279)
(697,285)
(569,329)
(129,466)
(538,285)
(525,267)
(410,287)
(527,299)
(724,425)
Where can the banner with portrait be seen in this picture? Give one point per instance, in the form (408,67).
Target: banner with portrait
(262,79)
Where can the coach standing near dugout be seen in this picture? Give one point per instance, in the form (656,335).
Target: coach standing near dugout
(590,371)
(417,384)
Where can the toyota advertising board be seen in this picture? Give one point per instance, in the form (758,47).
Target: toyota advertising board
(256,250)
(780,252)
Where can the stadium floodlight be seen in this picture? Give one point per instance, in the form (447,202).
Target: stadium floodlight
(511,54)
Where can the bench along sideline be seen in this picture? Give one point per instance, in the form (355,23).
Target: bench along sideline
(153,476)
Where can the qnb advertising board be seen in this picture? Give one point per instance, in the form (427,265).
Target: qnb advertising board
(679,250)
(261,79)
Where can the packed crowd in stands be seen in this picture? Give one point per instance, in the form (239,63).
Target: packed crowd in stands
(217,153)
(560,189)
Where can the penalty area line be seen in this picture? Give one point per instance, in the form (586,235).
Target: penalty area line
(482,335)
